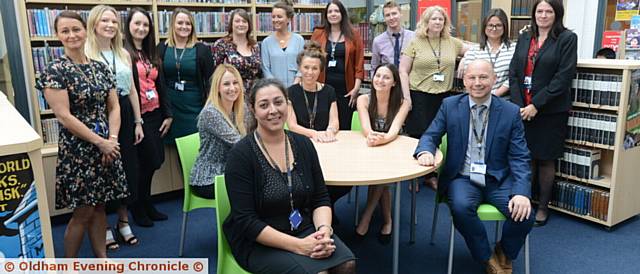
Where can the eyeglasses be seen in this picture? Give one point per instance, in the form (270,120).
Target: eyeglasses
(494,27)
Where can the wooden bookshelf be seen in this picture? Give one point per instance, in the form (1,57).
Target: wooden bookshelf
(169,177)
(604,182)
(591,106)
(618,166)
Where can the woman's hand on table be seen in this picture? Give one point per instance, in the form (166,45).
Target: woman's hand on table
(374,138)
(324,136)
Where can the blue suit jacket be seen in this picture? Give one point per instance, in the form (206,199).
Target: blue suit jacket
(506,153)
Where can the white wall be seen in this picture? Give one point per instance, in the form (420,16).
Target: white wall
(580,16)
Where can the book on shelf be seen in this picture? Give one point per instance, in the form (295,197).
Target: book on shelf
(301,22)
(42,103)
(50,131)
(521,7)
(363,29)
(580,162)
(580,199)
(301,2)
(207,22)
(41,20)
(597,88)
(43,55)
(207,1)
(593,127)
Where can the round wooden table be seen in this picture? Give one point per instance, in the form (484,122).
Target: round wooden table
(350,162)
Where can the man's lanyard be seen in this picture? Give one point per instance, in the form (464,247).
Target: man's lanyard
(391,38)
(485,119)
(434,51)
(178,60)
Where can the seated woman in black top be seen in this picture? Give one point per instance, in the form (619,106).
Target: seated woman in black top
(382,114)
(278,216)
(313,111)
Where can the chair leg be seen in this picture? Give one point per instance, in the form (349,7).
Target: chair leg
(451,239)
(356,208)
(414,218)
(526,255)
(435,220)
(498,232)
(183,232)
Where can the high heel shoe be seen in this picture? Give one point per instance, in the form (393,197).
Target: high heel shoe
(539,223)
(357,237)
(125,234)
(384,239)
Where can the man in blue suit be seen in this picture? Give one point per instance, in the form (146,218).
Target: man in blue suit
(487,161)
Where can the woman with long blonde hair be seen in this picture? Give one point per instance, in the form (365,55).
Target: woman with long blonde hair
(104,44)
(221,124)
(427,70)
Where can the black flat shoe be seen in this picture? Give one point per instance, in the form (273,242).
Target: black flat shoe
(154,214)
(384,239)
(140,217)
(539,223)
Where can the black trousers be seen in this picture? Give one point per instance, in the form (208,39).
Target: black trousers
(150,154)
(424,107)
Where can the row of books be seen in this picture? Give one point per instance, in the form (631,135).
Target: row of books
(580,162)
(42,103)
(208,1)
(41,20)
(521,7)
(207,22)
(581,199)
(302,2)
(597,88)
(301,22)
(50,130)
(592,127)
(43,55)
(515,27)
(367,39)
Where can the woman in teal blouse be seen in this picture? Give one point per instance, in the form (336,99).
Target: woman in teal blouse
(187,66)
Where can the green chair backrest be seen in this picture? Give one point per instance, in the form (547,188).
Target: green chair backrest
(226,261)
(355,122)
(188,149)
(443,149)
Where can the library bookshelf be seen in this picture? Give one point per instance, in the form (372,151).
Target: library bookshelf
(614,174)
(36,20)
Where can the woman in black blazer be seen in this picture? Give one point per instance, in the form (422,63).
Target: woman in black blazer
(540,75)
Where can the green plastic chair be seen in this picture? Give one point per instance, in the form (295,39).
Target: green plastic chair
(226,262)
(487,212)
(188,147)
(439,198)
(355,122)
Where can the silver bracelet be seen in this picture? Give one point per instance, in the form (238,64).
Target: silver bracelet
(328,226)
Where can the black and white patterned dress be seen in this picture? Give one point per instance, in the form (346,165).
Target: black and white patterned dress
(81,178)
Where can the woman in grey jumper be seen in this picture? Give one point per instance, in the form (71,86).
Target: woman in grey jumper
(221,124)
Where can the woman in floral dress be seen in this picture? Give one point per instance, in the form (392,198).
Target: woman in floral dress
(82,94)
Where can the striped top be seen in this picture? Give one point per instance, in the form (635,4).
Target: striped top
(500,61)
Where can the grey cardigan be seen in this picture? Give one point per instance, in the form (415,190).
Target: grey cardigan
(217,137)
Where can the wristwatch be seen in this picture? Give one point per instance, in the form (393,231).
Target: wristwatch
(139,121)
